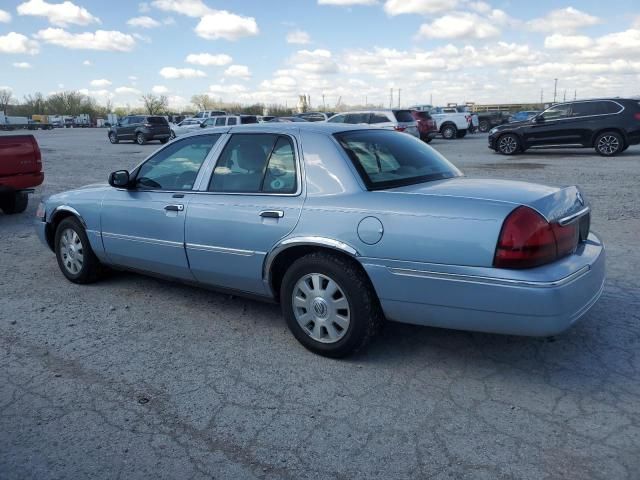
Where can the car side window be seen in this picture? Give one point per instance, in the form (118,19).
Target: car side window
(124,121)
(378,118)
(255,163)
(584,109)
(611,107)
(232,121)
(357,118)
(220,121)
(176,166)
(337,119)
(554,113)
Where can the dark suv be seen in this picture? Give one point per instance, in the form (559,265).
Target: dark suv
(609,125)
(140,129)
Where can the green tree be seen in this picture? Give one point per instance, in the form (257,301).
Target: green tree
(155,105)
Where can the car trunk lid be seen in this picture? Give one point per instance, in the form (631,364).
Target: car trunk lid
(19,154)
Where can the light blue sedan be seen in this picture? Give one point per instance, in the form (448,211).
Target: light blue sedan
(344,226)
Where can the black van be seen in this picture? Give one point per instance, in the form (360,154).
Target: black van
(610,125)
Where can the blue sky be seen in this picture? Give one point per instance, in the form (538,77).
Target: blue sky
(272,51)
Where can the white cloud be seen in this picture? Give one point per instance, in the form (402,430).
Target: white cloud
(160,89)
(133,78)
(14,42)
(223,24)
(480,7)
(298,37)
(423,7)
(128,91)
(102,94)
(566,20)
(347,3)
(87,63)
(173,73)
(109,40)
(144,7)
(23,65)
(102,82)
(143,22)
(190,8)
(459,25)
(5,17)
(558,41)
(238,71)
(319,61)
(209,60)
(61,14)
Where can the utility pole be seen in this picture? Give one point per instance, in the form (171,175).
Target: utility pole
(399,90)
(564,99)
(555,89)
(391,98)
(575,94)
(324,105)
(542,96)
(431,99)
(366,101)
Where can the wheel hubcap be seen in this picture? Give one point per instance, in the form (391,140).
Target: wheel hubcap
(71,251)
(321,308)
(608,144)
(508,144)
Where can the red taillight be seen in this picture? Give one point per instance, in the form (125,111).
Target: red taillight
(36,151)
(399,129)
(528,240)
(636,116)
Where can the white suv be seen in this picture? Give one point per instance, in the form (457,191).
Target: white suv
(399,120)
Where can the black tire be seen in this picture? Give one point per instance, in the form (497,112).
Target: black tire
(449,131)
(113,138)
(609,144)
(461,134)
(508,144)
(484,126)
(140,140)
(164,140)
(90,269)
(172,135)
(427,139)
(365,314)
(13,203)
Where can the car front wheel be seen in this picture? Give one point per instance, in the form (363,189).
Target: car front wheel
(508,144)
(609,144)
(449,132)
(330,306)
(113,138)
(75,258)
(140,140)
(484,126)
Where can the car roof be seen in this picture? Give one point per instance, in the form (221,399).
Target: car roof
(284,127)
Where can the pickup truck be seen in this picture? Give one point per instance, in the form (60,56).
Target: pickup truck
(449,122)
(20,171)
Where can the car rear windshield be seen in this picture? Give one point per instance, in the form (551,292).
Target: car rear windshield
(404,115)
(157,120)
(387,159)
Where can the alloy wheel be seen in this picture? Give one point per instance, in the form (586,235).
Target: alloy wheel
(508,144)
(608,144)
(71,251)
(321,308)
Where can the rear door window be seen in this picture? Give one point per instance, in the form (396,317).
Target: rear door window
(357,118)
(337,119)
(248,119)
(220,121)
(378,118)
(232,121)
(585,109)
(611,107)
(404,115)
(157,120)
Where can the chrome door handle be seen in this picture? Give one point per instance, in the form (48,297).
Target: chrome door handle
(174,208)
(272,214)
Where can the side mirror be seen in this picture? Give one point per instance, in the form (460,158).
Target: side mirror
(203,124)
(119,179)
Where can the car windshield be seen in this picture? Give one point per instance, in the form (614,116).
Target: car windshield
(387,159)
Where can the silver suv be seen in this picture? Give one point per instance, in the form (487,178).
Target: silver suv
(392,119)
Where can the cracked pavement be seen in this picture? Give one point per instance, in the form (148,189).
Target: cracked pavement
(135,377)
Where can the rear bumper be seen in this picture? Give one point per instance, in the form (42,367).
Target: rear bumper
(535,302)
(21,182)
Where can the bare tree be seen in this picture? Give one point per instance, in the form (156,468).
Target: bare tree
(5,99)
(154,104)
(203,102)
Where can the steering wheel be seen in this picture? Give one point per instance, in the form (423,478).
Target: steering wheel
(147,182)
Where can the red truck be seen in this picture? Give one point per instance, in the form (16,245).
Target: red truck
(20,171)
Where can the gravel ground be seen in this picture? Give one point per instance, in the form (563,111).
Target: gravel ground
(140,378)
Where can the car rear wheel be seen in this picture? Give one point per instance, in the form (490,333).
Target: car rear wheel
(140,140)
(164,140)
(449,132)
(508,144)
(113,138)
(609,144)
(172,135)
(14,203)
(330,306)
(75,258)
(484,126)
